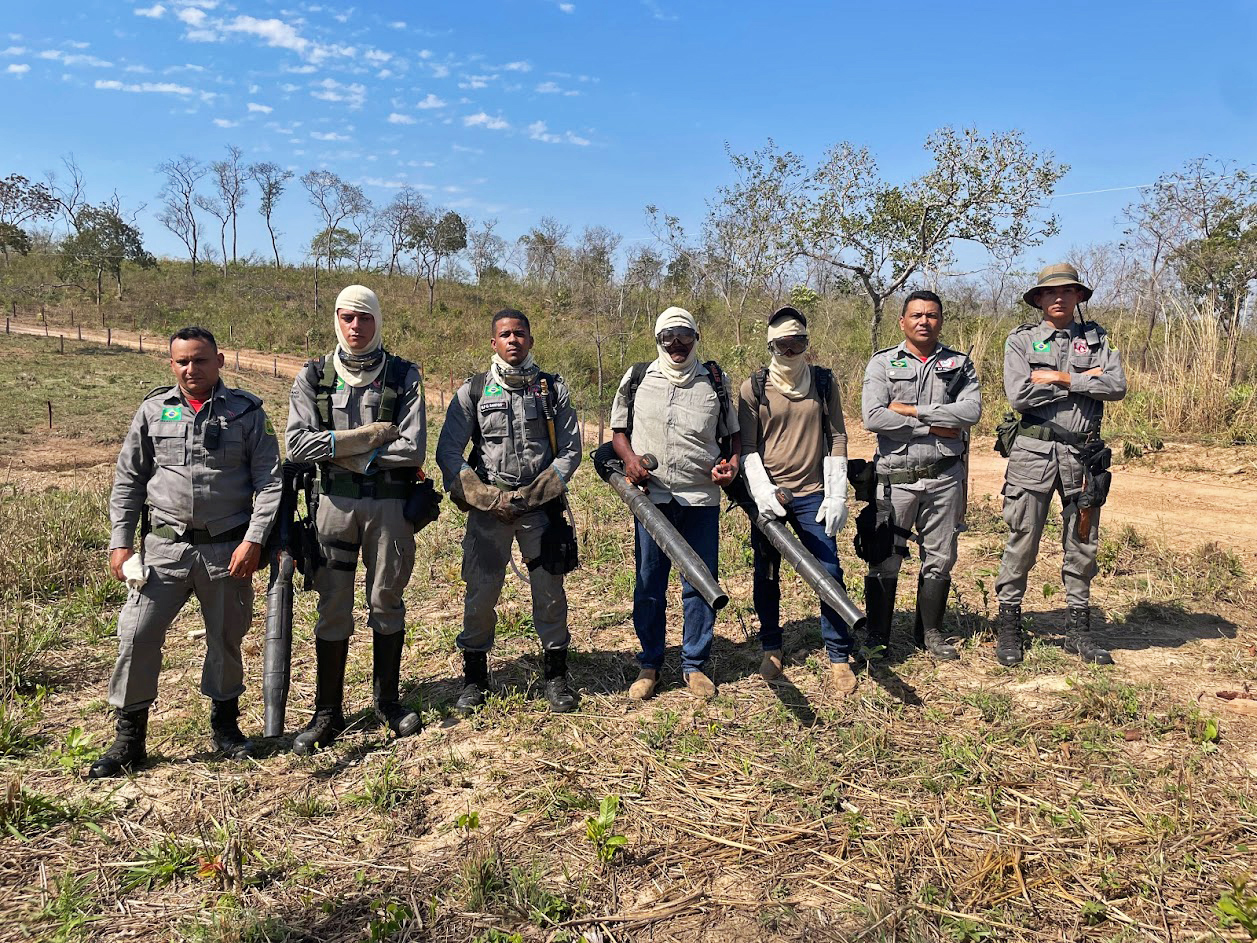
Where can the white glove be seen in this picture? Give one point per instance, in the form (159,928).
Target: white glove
(136,573)
(833,511)
(762,489)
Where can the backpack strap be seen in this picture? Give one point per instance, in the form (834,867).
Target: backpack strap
(759,390)
(823,382)
(636,373)
(717,378)
(475,388)
(323,378)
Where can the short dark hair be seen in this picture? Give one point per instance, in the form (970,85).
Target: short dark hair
(510,314)
(921,294)
(194,333)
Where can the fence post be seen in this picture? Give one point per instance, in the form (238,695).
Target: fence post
(80,332)
(108,336)
(49,414)
(141,343)
(237,360)
(6,325)
(62,343)
(275,365)
(45,329)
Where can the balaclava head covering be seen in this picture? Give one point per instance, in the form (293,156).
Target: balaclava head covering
(361,367)
(514,377)
(790,375)
(678,374)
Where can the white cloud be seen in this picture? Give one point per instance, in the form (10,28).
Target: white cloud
(390,184)
(483,120)
(301,69)
(395,118)
(273,32)
(73,59)
(73,44)
(517,67)
(186,67)
(17,68)
(476,81)
(140,69)
(431,102)
(328,136)
(330,90)
(425,53)
(262,109)
(377,56)
(397,24)
(191,16)
(549,88)
(14,51)
(153,12)
(463,149)
(539,132)
(162,88)
(440,71)
(567,7)
(224,123)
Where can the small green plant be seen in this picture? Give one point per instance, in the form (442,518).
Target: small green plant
(160,863)
(69,911)
(76,749)
(386,790)
(1238,908)
(1094,912)
(600,830)
(494,935)
(469,821)
(391,917)
(24,812)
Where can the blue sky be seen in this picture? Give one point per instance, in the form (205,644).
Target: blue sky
(587,111)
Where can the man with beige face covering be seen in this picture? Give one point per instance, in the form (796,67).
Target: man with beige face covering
(359,413)
(679,410)
(793,437)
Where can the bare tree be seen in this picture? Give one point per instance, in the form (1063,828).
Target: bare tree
(70,194)
(179,193)
(434,236)
(336,201)
(485,248)
(216,209)
(543,246)
(365,224)
(395,220)
(271,180)
(229,181)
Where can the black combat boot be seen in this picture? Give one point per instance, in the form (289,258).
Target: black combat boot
(931,605)
(386,670)
(475,682)
(127,750)
(1009,646)
(879,606)
(918,627)
(1078,638)
(225,727)
(328,722)
(560,696)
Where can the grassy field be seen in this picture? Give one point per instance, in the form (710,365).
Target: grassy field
(957,802)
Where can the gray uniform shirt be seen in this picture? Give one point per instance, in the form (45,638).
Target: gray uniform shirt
(515,444)
(895,375)
(164,461)
(681,426)
(1078,409)
(354,406)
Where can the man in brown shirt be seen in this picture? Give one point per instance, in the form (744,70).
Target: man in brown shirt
(793,437)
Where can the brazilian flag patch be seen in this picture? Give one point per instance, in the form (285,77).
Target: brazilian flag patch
(494,389)
(899,363)
(172,413)
(340,383)
(1041,345)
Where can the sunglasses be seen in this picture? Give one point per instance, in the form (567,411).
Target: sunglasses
(790,346)
(677,335)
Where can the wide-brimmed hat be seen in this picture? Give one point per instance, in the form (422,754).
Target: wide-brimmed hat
(1055,276)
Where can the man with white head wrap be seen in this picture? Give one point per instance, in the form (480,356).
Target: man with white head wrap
(359,413)
(680,411)
(793,437)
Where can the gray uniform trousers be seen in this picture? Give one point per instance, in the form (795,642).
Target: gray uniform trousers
(931,508)
(486,553)
(376,527)
(176,571)
(1025,512)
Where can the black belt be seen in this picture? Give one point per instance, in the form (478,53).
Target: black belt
(908,476)
(1046,431)
(346,484)
(193,536)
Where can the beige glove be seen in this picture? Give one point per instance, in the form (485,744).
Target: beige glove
(358,464)
(544,488)
(365,438)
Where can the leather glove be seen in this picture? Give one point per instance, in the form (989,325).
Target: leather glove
(358,464)
(468,491)
(365,438)
(545,488)
(833,510)
(761,486)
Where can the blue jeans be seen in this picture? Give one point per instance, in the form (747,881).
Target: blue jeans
(700,528)
(766,588)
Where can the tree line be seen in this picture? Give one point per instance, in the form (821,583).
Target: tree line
(782,225)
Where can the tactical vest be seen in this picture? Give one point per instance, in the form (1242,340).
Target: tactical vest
(547,398)
(715,376)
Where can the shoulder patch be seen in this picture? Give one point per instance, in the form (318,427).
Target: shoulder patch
(158,391)
(901,362)
(1041,345)
(270,428)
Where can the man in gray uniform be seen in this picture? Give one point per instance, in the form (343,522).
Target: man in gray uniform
(920,398)
(526,447)
(359,413)
(201,463)
(1058,374)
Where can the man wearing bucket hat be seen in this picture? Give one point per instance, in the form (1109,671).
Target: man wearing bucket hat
(1058,373)
(680,410)
(793,437)
(359,413)
(920,398)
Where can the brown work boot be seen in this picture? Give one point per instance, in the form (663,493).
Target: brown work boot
(700,685)
(842,678)
(644,686)
(770,667)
